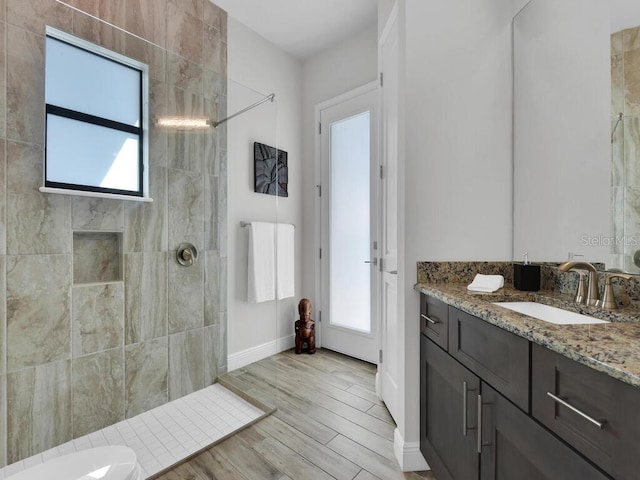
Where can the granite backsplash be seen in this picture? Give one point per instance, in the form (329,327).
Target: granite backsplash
(627,292)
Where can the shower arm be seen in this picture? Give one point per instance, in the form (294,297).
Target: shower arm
(271,97)
(619,116)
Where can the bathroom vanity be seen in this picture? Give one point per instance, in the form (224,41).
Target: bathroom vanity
(505,395)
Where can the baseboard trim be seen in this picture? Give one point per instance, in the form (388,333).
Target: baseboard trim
(254,354)
(408,454)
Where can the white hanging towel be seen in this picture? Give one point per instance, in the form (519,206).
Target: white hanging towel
(261,276)
(285,271)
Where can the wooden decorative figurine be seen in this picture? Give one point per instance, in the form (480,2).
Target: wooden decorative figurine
(305,328)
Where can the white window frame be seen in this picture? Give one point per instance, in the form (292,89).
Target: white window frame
(144,70)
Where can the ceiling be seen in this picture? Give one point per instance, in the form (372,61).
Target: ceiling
(303,27)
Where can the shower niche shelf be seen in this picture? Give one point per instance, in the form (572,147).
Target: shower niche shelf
(97,257)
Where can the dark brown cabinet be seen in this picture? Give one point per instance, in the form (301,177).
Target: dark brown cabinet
(514,446)
(499,357)
(434,319)
(448,419)
(593,412)
(474,421)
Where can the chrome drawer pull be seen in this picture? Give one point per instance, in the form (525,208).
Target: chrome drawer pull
(465,391)
(428,319)
(479,424)
(575,410)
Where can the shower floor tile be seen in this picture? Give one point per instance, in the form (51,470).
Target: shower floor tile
(165,435)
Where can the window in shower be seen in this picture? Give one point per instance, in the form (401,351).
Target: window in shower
(96,120)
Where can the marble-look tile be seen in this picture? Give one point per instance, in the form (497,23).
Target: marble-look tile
(211,218)
(39,409)
(211,154)
(184,74)
(97,257)
(184,33)
(186,289)
(3,79)
(3,423)
(223,221)
(148,19)
(3,197)
(617,85)
(192,7)
(146,372)
(632,212)
(3,317)
(97,214)
(211,354)
(630,39)
(145,296)
(37,223)
(98,318)
(616,43)
(186,208)
(146,52)
(617,154)
(617,218)
(34,15)
(214,50)
(98,391)
(38,310)
(111,11)
(146,223)
(215,288)
(215,84)
(185,150)
(25,86)
(3,10)
(186,363)
(632,82)
(101,33)
(631,151)
(215,17)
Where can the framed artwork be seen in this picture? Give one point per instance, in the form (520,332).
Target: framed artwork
(271,170)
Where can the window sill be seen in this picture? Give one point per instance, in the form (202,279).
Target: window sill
(81,193)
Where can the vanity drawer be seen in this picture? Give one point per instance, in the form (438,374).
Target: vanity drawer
(593,412)
(434,317)
(499,357)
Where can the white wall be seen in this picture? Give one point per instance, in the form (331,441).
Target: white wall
(562,178)
(254,65)
(457,169)
(349,65)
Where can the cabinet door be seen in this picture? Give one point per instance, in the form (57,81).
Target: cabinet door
(514,446)
(448,416)
(498,357)
(593,412)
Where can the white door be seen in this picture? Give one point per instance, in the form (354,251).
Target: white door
(387,379)
(348,264)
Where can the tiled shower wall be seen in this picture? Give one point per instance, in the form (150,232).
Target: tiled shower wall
(625,98)
(98,322)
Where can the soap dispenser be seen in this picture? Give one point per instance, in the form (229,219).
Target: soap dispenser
(526,276)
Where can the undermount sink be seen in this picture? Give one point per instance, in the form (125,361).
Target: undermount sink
(549,314)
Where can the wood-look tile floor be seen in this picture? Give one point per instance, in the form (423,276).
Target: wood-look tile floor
(329,424)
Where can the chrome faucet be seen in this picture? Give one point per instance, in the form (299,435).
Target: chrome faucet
(592,288)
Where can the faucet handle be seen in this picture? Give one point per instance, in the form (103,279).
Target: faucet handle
(608,301)
(581,293)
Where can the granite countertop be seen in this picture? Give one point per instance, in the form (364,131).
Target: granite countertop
(612,348)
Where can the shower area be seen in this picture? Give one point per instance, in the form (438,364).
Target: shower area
(103,316)
(625,148)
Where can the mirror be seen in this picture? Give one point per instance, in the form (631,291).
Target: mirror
(576,182)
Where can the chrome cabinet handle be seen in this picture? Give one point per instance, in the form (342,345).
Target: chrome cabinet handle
(576,410)
(479,424)
(433,322)
(465,390)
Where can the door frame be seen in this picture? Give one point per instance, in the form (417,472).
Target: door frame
(367,88)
